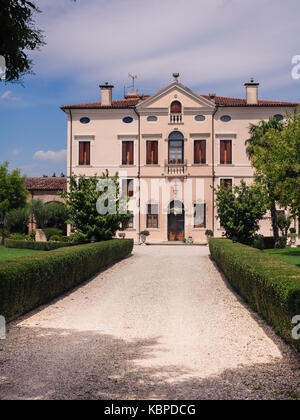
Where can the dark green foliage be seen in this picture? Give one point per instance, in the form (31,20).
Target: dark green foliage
(56,238)
(48,215)
(269,285)
(39,246)
(18,220)
(57,215)
(268,242)
(284,222)
(51,232)
(13,194)
(239,210)
(26,283)
(17,36)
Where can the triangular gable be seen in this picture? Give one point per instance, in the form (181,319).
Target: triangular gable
(193,99)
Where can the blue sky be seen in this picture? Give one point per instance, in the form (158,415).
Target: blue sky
(216,45)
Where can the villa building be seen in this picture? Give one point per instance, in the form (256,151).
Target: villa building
(169,149)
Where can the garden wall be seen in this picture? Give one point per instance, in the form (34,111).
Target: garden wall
(28,282)
(269,285)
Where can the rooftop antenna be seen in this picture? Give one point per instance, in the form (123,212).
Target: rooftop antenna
(133,80)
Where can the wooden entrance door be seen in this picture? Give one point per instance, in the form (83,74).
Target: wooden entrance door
(176,223)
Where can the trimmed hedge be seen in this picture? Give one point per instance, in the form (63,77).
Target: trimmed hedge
(38,246)
(28,282)
(269,285)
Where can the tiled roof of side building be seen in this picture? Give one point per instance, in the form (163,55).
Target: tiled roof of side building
(132,101)
(225,101)
(46,184)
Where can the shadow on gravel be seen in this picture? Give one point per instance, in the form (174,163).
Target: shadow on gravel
(37,363)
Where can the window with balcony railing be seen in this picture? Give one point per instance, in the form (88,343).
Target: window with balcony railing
(176,112)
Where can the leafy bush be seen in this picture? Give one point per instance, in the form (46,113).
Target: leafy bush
(28,282)
(269,285)
(56,238)
(240,209)
(18,220)
(32,235)
(20,237)
(39,246)
(268,242)
(54,214)
(51,232)
(79,238)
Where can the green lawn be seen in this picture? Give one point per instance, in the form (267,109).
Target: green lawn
(290,255)
(10,253)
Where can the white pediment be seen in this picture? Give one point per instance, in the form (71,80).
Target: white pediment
(176,92)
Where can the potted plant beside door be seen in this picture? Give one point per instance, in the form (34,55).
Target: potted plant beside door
(143,235)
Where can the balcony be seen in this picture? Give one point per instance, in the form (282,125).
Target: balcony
(176,119)
(176,169)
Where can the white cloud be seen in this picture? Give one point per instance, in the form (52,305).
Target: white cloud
(208,42)
(60,156)
(7,96)
(15,152)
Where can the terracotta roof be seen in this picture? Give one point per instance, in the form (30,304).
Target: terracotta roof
(224,101)
(46,184)
(128,102)
(132,101)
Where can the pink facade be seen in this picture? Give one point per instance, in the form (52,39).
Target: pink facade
(173,145)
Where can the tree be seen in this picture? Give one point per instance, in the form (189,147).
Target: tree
(54,214)
(284,222)
(82,198)
(18,35)
(286,159)
(259,150)
(239,210)
(13,194)
(18,220)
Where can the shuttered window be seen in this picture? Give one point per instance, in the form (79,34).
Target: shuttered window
(152,152)
(200,151)
(127,153)
(127,187)
(129,224)
(152,216)
(226,152)
(84,153)
(200,215)
(176,107)
(226,181)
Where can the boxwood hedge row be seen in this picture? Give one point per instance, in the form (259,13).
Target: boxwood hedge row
(38,246)
(269,285)
(28,282)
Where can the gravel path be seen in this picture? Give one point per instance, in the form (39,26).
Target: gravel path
(162,324)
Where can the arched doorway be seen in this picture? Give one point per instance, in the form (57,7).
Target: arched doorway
(176,221)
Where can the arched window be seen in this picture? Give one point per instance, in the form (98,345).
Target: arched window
(176,149)
(176,107)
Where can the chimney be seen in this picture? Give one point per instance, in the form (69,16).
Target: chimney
(106,94)
(252,92)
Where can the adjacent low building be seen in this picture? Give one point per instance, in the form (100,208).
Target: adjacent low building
(46,189)
(172,147)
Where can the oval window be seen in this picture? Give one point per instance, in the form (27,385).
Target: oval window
(200,118)
(152,118)
(225,118)
(127,120)
(84,120)
(278,117)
